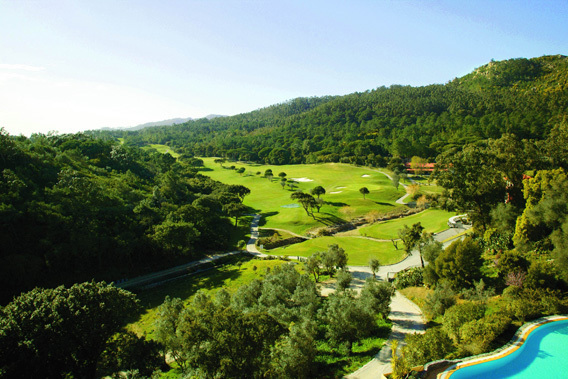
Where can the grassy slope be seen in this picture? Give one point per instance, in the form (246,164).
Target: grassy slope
(268,197)
(344,202)
(359,250)
(433,221)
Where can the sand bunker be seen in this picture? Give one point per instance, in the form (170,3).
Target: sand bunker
(339,187)
(303,179)
(365,176)
(334,192)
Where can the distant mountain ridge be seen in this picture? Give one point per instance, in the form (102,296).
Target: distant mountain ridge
(171,121)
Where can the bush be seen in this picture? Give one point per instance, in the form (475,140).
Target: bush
(458,315)
(430,346)
(441,299)
(477,335)
(410,277)
(344,278)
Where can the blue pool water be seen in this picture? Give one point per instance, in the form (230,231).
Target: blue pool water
(543,355)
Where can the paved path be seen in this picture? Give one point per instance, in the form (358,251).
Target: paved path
(407,318)
(251,244)
(405,315)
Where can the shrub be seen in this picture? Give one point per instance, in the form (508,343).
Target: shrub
(458,315)
(441,299)
(430,346)
(410,277)
(477,335)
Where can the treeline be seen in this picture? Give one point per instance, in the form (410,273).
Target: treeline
(522,96)
(74,207)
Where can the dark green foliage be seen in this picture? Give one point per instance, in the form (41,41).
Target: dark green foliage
(460,264)
(96,208)
(345,319)
(307,201)
(411,277)
(364,191)
(458,315)
(376,296)
(441,299)
(428,347)
(477,335)
(128,352)
(268,328)
(344,279)
(530,303)
(51,333)
(318,191)
(410,236)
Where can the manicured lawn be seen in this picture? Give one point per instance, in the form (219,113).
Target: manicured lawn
(433,221)
(359,250)
(341,182)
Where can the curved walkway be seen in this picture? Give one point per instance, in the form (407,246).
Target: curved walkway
(406,318)
(405,315)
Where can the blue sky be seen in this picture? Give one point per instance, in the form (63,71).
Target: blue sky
(71,65)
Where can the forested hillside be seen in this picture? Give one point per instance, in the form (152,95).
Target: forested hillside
(73,208)
(526,97)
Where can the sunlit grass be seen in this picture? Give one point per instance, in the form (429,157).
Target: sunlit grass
(433,221)
(359,250)
(341,182)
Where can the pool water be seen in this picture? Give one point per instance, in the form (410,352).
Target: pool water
(544,354)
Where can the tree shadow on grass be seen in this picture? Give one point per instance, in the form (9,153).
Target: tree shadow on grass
(328,219)
(383,203)
(203,169)
(336,204)
(265,217)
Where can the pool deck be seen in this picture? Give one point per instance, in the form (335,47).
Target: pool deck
(517,341)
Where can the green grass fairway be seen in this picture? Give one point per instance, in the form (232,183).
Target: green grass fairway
(359,250)
(341,182)
(163,149)
(433,221)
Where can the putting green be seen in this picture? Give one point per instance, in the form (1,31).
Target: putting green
(359,250)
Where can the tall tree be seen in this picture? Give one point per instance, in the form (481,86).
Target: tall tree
(318,191)
(364,191)
(410,236)
(472,181)
(54,333)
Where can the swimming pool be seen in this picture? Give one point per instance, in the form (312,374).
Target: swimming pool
(540,350)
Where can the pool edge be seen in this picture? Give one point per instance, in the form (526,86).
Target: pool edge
(516,342)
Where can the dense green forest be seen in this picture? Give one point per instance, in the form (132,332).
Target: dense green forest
(526,97)
(74,207)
